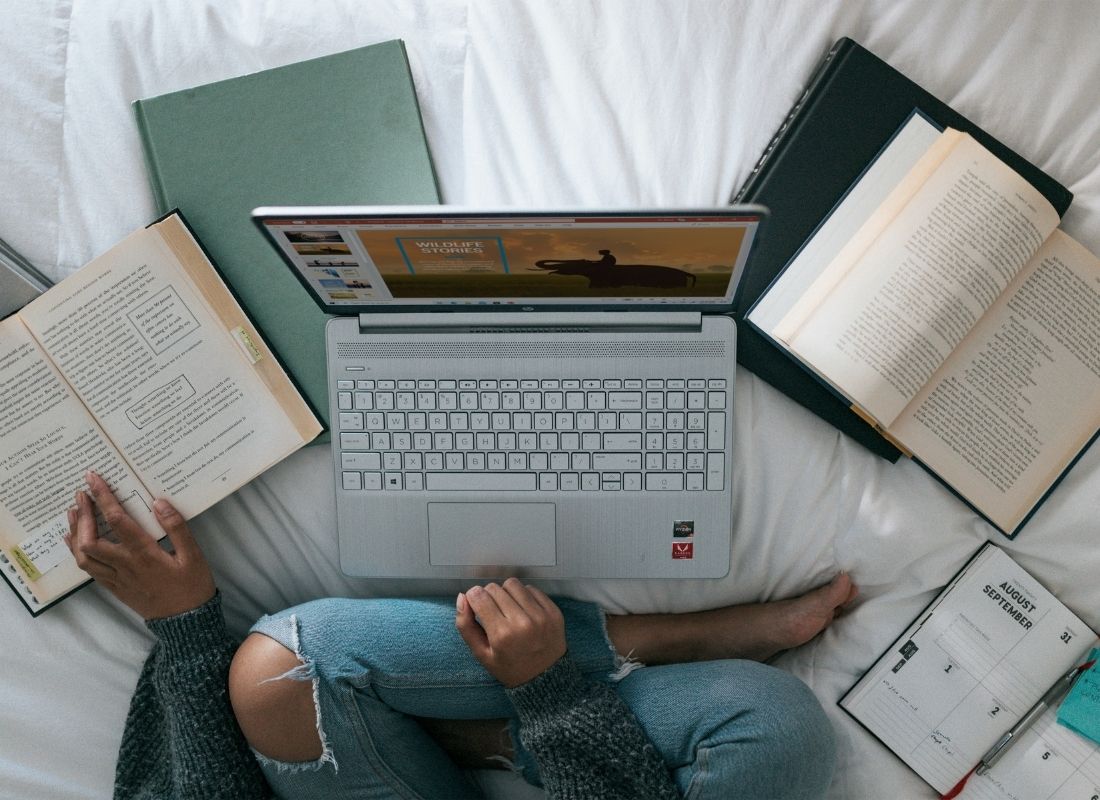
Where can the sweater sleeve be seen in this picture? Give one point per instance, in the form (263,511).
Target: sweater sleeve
(181,739)
(586,741)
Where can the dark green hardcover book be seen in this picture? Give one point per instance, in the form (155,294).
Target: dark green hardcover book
(343,129)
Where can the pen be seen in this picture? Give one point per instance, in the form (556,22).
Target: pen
(994,754)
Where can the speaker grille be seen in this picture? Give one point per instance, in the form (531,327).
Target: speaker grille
(437,350)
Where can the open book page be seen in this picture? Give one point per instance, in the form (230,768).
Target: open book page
(47,442)
(168,383)
(971,665)
(798,284)
(1049,762)
(924,279)
(1017,402)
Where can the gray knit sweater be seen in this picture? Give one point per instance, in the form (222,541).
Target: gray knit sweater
(181,740)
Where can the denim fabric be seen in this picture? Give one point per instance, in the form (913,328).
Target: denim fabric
(726,729)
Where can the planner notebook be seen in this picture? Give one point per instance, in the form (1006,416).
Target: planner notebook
(851,107)
(343,129)
(975,662)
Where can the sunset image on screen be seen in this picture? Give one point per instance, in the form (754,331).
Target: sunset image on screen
(565,262)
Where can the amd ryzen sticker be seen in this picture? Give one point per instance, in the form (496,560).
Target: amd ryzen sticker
(683,528)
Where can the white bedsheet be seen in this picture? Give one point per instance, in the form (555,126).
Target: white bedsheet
(616,103)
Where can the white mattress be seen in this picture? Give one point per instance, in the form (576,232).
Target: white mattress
(620,103)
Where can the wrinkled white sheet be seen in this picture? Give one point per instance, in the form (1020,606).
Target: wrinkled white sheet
(616,103)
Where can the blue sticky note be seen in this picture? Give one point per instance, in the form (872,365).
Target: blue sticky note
(1080,711)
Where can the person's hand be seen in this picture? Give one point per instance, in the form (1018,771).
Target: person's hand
(515,631)
(151,581)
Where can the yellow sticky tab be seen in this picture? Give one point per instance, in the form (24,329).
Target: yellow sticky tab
(247,345)
(28,566)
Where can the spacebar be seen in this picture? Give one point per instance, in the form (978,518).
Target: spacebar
(481,481)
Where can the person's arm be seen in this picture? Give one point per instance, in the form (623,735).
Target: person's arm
(585,739)
(181,739)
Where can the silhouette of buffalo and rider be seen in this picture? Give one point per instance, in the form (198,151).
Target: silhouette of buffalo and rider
(606,273)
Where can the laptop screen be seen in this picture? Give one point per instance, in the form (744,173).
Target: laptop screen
(391,259)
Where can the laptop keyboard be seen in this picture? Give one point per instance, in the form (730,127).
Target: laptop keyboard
(584,435)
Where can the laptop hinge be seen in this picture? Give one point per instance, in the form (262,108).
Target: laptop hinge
(544,321)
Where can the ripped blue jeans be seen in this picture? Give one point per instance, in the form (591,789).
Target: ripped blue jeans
(729,729)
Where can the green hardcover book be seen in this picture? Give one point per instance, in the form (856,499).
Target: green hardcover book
(343,129)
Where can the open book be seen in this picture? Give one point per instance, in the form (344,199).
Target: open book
(941,300)
(142,367)
(970,667)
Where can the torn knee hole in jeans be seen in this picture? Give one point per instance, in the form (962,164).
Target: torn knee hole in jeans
(305,671)
(624,665)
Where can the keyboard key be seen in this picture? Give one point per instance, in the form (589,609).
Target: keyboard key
(464,440)
(654,420)
(607,421)
(448,401)
(695,481)
(586,421)
(716,383)
(414,481)
(522,421)
(457,420)
(570,482)
(355,441)
(422,441)
(664,481)
(581,461)
(454,461)
(475,461)
(654,461)
(406,385)
(697,400)
(674,460)
(554,400)
(548,481)
(416,420)
(574,401)
(505,441)
(698,441)
(351,421)
(343,401)
(544,421)
(696,461)
(674,383)
(448,385)
(527,441)
(597,400)
(467,384)
(510,401)
(402,440)
(570,441)
(590,482)
(444,440)
(675,400)
(372,481)
(351,481)
(364,401)
(654,400)
(716,400)
(612,383)
(716,430)
(517,460)
(467,401)
(629,401)
(387,385)
(548,441)
(532,400)
(559,461)
(479,421)
(591,383)
(488,441)
(391,461)
(395,420)
(697,421)
(611,482)
(437,421)
(551,383)
(433,461)
(618,462)
(539,461)
(360,461)
(632,481)
(490,401)
(497,462)
(716,476)
(364,384)
(487,384)
(376,421)
(425,384)
(570,384)
(529,384)
(510,384)
(345,384)
(425,401)
(393,481)
(630,420)
(622,441)
(592,441)
(383,400)
(412,461)
(481,481)
(407,401)
(655,440)
(501,420)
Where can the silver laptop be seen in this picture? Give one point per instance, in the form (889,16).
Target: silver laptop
(19,281)
(547,393)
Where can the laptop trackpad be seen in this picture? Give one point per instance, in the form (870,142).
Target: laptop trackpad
(492,534)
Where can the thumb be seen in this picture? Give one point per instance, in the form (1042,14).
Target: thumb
(172,522)
(470,630)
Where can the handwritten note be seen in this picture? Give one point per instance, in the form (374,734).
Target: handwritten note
(45,549)
(1080,711)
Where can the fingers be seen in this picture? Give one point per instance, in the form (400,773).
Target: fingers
(522,597)
(484,605)
(83,541)
(505,601)
(548,605)
(172,522)
(469,629)
(124,526)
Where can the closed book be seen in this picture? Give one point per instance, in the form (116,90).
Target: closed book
(851,107)
(342,129)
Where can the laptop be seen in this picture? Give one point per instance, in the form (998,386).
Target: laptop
(19,281)
(538,393)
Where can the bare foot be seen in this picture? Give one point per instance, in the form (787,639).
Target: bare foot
(755,631)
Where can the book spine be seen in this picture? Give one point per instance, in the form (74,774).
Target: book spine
(748,188)
(159,195)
